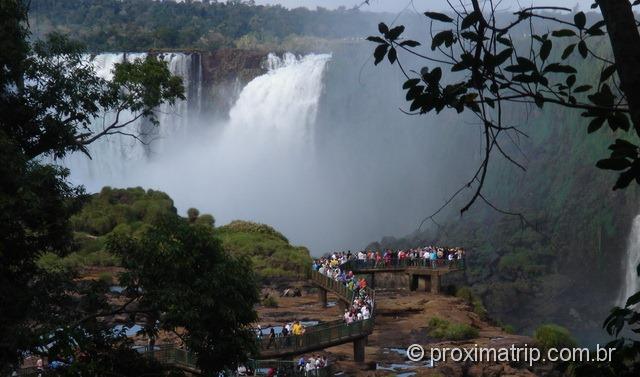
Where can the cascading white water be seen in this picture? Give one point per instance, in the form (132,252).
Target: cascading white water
(283,102)
(267,141)
(260,164)
(631,281)
(308,147)
(113,157)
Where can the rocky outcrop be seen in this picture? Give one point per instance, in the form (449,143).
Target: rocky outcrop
(228,64)
(225,72)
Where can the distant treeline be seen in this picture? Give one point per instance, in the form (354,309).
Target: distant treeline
(133,25)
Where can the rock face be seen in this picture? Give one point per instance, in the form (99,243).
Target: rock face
(225,72)
(225,65)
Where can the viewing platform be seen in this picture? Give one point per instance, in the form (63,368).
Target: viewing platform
(429,270)
(319,337)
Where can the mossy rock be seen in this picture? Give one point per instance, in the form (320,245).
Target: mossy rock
(550,335)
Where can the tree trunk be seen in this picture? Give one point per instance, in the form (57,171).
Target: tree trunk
(625,42)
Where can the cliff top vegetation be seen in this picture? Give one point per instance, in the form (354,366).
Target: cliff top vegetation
(137,25)
(131,211)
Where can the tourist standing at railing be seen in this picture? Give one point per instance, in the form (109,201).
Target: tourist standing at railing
(286,330)
(298,331)
(259,332)
(387,257)
(378,259)
(272,338)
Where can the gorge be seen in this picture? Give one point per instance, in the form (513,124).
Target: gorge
(311,144)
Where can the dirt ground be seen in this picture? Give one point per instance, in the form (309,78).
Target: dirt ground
(401,320)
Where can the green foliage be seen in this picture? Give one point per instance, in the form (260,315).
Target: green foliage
(50,94)
(186,281)
(270,302)
(500,69)
(553,336)
(105,278)
(269,250)
(135,25)
(125,211)
(474,300)
(206,219)
(62,94)
(250,227)
(192,214)
(133,207)
(442,329)
(509,329)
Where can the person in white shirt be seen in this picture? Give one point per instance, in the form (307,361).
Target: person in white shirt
(309,368)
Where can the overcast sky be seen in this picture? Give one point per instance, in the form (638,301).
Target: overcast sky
(420,5)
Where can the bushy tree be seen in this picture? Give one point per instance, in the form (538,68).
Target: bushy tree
(180,280)
(192,214)
(49,95)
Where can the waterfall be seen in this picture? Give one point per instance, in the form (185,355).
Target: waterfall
(631,280)
(260,163)
(266,140)
(283,102)
(114,158)
(312,146)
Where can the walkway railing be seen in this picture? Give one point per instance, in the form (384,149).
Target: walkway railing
(332,285)
(170,354)
(356,265)
(317,337)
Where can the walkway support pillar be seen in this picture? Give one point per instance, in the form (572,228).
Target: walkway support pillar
(322,296)
(413,282)
(435,283)
(372,284)
(358,349)
(427,283)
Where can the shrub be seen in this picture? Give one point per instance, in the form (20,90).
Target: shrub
(553,336)
(106,278)
(206,219)
(51,262)
(251,227)
(509,329)
(461,331)
(270,302)
(474,300)
(442,329)
(465,294)
(192,214)
(101,258)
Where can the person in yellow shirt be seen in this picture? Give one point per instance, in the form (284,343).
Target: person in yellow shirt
(297,328)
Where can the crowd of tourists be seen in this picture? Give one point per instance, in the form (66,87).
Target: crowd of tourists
(333,267)
(311,365)
(428,256)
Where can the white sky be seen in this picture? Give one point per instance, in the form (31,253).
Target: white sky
(420,5)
